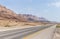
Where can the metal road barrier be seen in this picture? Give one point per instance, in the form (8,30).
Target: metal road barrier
(37,32)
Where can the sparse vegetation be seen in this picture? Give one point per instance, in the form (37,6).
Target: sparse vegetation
(57,26)
(7,26)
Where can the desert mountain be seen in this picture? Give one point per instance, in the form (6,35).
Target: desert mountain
(7,14)
(32,18)
(10,18)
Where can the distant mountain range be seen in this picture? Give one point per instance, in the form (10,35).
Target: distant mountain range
(32,18)
(7,14)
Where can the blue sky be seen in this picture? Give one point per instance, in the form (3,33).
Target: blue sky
(49,9)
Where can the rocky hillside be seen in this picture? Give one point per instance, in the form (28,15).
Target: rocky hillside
(32,18)
(7,14)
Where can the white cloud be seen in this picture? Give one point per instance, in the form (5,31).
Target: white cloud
(55,4)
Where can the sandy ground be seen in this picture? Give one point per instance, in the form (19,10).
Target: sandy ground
(57,34)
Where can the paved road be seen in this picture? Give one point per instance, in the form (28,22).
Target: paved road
(20,33)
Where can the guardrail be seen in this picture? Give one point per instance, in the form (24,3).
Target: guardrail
(27,32)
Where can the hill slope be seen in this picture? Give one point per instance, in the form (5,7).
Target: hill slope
(9,14)
(8,17)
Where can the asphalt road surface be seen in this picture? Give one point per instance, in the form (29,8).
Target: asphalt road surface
(21,33)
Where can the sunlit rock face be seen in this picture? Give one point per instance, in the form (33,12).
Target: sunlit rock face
(9,14)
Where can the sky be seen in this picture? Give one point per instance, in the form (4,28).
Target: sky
(49,9)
